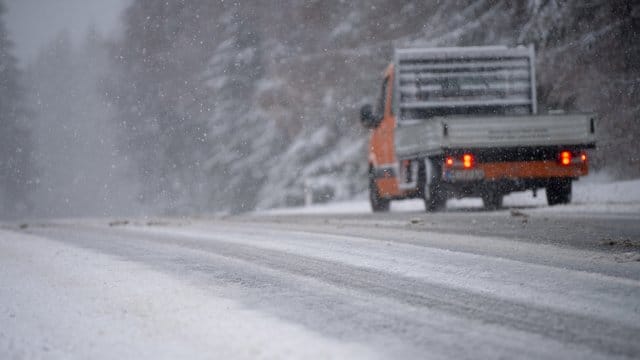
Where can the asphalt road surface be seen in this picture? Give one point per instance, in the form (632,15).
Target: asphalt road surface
(517,283)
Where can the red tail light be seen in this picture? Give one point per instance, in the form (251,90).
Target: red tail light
(565,157)
(448,162)
(467,161)
(583,157)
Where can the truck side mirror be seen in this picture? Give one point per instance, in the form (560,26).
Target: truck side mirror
(367,119)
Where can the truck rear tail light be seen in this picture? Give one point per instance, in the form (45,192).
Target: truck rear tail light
(583,157)
(468,161)
(448,162)
(565,157)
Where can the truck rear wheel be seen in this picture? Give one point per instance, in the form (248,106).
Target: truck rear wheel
(559,192)
(378,203)
(429,182)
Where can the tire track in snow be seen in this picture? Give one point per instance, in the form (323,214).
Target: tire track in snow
(595,333)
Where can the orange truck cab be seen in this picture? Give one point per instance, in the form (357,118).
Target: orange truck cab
(463,122)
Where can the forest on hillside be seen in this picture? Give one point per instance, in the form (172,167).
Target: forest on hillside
(200,106)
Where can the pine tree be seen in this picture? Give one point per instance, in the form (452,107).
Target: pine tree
(242,137)
(159,101)
(16,168)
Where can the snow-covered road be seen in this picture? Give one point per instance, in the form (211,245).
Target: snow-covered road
(525,283)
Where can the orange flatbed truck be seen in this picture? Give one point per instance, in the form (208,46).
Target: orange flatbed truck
(463,122)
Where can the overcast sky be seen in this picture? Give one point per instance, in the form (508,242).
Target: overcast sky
(32,23)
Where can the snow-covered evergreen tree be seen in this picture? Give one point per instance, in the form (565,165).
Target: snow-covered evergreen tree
(16,166)
(271,89)
(161,106)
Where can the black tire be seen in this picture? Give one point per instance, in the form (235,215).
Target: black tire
(432,194)
(492,200)
(378,203)
(559,192)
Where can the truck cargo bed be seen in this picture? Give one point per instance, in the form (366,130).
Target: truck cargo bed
(433,136)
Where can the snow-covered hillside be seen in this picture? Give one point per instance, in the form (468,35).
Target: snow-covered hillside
(232,106)
(277,93)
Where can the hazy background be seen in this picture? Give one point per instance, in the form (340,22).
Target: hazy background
(76,167)
(183,107)
(33,23)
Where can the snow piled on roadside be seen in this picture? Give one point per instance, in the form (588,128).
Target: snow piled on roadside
(58,301)
(595,193)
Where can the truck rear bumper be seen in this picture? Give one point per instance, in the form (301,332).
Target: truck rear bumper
(531,170)
(506,177)
(498,171)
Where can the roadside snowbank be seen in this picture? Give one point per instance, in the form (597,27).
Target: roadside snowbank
(591,194)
